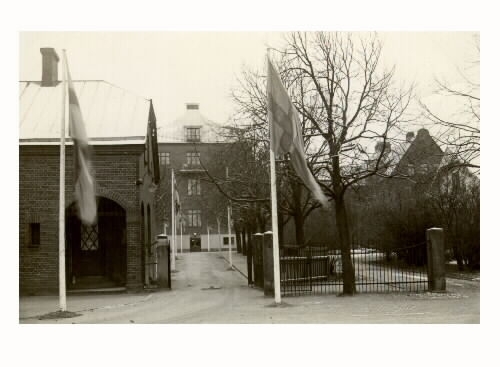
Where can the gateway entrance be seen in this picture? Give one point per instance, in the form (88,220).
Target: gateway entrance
(96,254)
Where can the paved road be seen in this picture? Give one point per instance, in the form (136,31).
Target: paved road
(205,291)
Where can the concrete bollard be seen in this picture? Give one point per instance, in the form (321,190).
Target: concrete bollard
(248,246)
(436,273)
(267,254)
(163,259)
(258,271)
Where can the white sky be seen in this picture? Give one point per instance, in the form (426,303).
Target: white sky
(121,62)
(174,68)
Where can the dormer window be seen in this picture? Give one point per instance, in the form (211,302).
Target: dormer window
(193,134)
(411,169)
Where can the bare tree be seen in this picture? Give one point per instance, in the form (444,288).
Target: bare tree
(455,199)
(294,201)
(347,103)
(460,128)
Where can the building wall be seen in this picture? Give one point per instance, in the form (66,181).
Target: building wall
(211,202)
(116,172)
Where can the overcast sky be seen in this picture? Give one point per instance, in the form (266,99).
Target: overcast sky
(158,67)
(174,68)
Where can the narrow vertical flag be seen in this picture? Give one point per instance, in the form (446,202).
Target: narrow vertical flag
(286,132)
(84,182)
(177,200)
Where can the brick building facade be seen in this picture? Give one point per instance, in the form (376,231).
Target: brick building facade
(122,133)
(187,145)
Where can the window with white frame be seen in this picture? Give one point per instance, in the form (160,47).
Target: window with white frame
(193,217)
(192,134)
(164,159)
(194,186)
(193,158)
(225,240)
(411,169)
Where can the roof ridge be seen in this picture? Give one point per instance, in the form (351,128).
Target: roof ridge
(93,80)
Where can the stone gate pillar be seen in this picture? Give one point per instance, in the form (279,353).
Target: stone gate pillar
(267,253)
(436,260)
(163,261)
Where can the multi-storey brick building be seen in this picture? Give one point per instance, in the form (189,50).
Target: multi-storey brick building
(187,146)
(122,133)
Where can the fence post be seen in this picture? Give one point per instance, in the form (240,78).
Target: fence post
(435,260)
(257,240)
(248,245)
(268,266)
(163,259)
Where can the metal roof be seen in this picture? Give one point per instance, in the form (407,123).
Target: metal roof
(111,114)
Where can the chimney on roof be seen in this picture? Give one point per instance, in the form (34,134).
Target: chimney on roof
(380,146)
(423,132)
(410,136)
(192,106)
(49,67)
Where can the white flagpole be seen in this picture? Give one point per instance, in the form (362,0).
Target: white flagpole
(180,224)
(175,231)
(208,233)
(62,172)
(173,222)
(218,231)
(274,206)
(229,231)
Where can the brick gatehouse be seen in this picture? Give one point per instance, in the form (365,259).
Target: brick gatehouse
(122,133)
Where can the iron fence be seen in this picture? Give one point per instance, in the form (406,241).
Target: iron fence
(319,269)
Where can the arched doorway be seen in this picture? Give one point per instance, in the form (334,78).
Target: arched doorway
(96,254)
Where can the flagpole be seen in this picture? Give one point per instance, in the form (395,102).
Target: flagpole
(173,222)
(208,233)
(274,207)
(229,231)
(62,172)
(180,225)
(218,231)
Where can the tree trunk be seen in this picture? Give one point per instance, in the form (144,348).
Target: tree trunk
(298,216)
(243,240)
(298,219)
(349,287)
(281,228)
(238,238)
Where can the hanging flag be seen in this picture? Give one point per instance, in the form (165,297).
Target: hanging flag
(286,131)
(177,200)
(84,182)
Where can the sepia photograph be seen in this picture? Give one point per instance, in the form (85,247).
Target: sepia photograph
(164,181)
(260,183)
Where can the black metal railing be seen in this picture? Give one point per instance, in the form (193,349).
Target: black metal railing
(316,269)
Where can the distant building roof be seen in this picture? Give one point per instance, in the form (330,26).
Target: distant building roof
(175,132)
(111,114)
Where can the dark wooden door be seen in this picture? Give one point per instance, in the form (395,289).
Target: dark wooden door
(195,244)
(100,249)
(91,256)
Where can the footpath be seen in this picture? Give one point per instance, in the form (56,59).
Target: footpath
(33,307)
(204,290)
(239,262)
